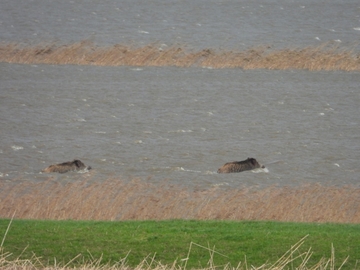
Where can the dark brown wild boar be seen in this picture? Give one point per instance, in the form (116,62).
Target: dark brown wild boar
(70,166)
(240,166)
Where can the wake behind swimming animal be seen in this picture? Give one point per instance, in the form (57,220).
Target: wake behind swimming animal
(70,166)
(240,166)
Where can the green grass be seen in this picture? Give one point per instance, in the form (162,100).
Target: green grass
(259,242)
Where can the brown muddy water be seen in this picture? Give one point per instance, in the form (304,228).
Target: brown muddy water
(180,124)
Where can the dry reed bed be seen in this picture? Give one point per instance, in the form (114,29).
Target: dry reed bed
(115,199)
(325,57)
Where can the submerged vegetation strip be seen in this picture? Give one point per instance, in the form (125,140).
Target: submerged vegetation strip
(137,199)
(324,57)
(178,244)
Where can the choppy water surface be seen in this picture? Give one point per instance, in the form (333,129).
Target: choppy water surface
(201,24)
(180,124)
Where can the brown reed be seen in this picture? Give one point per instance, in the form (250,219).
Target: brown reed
(324,57)
(115,199)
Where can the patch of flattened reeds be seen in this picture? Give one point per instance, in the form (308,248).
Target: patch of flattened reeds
(138,199)
(327,56)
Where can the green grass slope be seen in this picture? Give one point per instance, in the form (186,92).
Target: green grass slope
(255,243)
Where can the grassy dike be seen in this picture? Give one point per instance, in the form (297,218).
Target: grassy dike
(250,242)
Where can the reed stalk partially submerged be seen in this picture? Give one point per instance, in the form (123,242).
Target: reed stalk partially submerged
(324,57)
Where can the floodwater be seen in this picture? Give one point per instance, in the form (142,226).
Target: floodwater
(181,124)
(215,24)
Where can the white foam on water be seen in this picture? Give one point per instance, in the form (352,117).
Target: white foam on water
(260,170)
(185,170)
(180,131)
(17,147)
(86,170)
